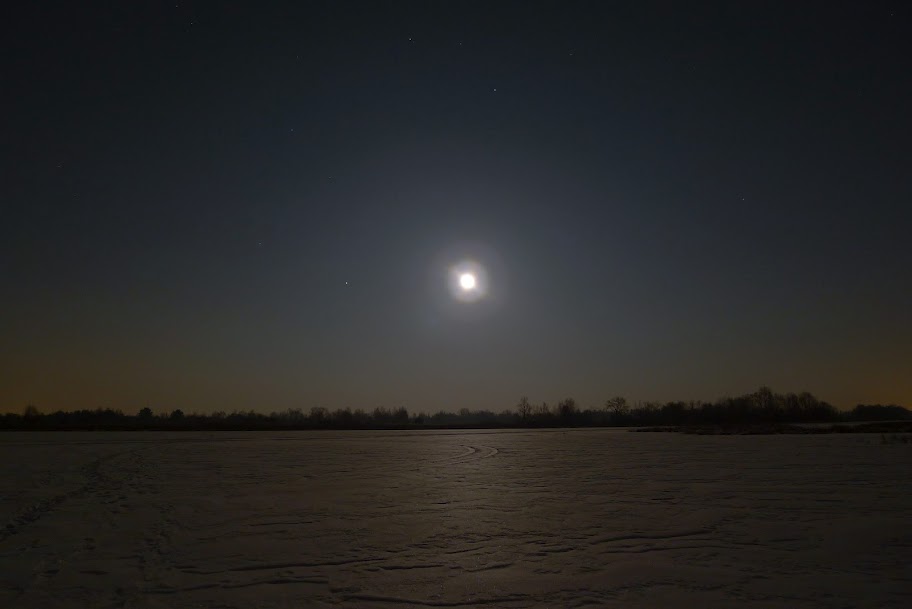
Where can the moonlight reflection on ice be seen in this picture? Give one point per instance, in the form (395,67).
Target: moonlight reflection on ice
(464,518)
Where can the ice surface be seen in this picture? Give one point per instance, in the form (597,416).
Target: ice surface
(551,518)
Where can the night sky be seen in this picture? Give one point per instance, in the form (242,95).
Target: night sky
(236,206)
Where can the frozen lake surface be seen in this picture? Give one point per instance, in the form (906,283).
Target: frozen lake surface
(551,518)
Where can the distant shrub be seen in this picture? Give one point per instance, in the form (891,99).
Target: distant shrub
(896,438)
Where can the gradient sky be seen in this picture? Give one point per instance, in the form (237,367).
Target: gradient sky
(235,206)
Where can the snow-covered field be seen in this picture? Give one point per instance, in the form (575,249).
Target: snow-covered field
(598,518)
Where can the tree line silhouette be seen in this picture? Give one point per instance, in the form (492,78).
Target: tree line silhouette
(760,407)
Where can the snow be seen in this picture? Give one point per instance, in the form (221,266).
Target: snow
(519,518)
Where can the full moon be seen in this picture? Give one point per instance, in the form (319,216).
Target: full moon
(468,281)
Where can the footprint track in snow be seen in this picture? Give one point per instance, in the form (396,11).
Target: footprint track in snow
(471,454)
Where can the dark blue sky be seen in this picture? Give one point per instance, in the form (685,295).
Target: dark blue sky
(255,205)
